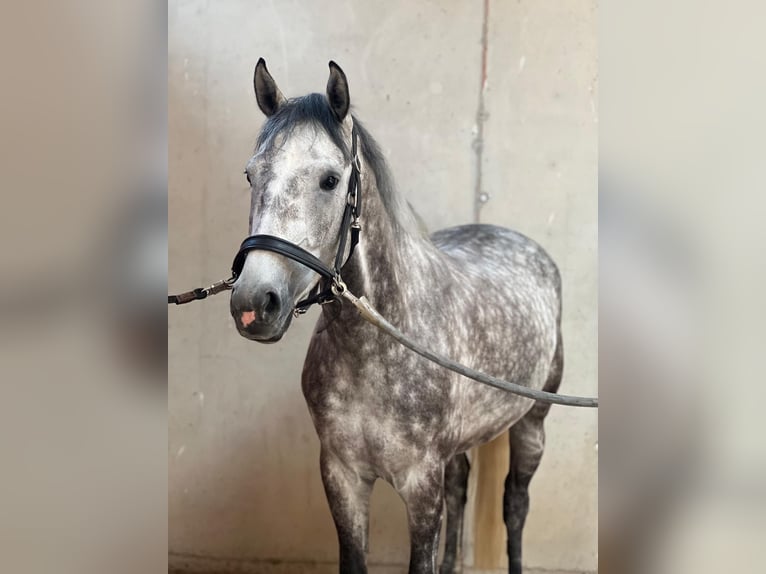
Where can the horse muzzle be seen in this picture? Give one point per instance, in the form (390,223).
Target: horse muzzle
(262,313)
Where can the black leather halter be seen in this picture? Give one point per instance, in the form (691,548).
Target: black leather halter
(327,288)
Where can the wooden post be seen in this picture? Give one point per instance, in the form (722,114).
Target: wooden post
(489,534)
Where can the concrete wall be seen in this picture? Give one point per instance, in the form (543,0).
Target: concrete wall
(244,483)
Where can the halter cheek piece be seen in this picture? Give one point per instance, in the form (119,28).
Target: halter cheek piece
(331,285)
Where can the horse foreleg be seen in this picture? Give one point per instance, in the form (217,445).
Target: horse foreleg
(423,492)
(348,495)
(455,488)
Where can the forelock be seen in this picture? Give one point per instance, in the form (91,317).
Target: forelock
(313,110)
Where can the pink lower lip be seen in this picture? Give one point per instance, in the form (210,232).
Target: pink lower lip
(247,318)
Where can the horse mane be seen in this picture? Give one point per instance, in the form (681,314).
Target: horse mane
(314,109)
(400,212)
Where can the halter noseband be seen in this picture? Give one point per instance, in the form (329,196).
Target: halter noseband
(350,223)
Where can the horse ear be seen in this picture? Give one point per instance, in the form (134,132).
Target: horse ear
(270,99)
(337,91)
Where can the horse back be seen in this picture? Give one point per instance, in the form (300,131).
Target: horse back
(493,253)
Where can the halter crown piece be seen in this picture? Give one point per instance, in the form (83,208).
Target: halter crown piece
(332,285)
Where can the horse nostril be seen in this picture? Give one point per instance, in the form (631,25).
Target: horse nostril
(272,303)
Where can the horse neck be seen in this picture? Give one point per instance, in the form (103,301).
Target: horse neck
(395,262)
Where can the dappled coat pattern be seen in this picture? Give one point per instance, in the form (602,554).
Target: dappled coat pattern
(485,296)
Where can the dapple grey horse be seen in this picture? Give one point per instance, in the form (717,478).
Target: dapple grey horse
(484,295)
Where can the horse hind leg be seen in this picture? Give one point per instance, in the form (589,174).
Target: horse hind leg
(455,491)
(527,438)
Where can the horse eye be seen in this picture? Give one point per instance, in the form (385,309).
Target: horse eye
(329,183)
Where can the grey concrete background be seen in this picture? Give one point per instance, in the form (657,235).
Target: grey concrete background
(244,485)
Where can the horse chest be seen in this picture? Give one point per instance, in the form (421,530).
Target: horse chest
(389,408)
(370,395)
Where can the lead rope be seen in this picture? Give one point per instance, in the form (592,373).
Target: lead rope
(201,292)
(369,314)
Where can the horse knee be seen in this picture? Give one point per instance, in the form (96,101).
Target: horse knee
(456,480)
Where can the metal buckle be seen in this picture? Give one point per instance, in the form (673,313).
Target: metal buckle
(338,286)
(298,311)
(222,285)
